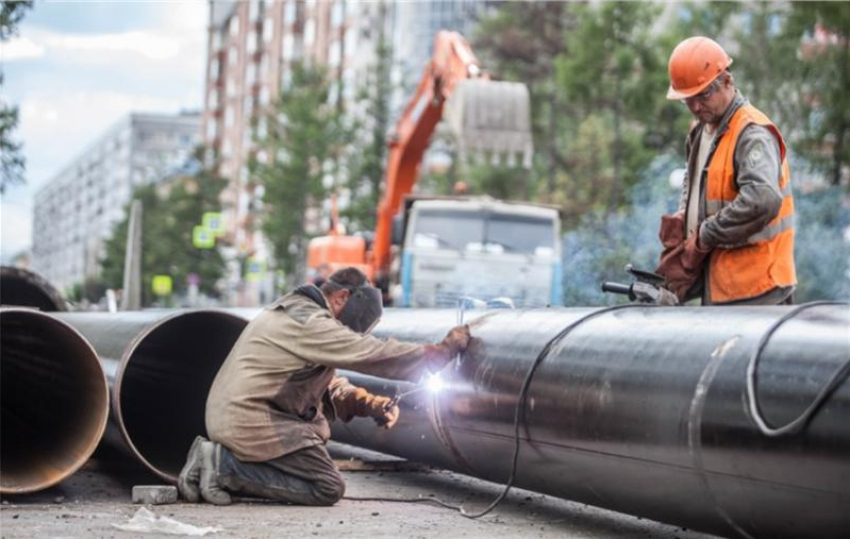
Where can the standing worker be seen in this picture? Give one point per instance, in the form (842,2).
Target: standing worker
(268,409)
(732,239)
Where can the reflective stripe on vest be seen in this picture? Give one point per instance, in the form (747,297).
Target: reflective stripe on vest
(765,260)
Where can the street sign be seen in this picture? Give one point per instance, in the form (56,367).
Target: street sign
(255,269)
(202,238)
(193,279)
(214,222)
(161,285)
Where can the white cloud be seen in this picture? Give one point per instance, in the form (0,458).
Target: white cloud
(147,44)
(20,48)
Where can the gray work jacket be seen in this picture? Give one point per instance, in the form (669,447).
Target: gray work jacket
(274,393)
(759,195)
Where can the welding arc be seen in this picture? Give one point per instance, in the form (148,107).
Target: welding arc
(519,418)
(641,411)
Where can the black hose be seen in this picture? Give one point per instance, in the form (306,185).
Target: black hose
(803,419)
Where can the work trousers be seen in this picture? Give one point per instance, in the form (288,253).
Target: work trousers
(305,477)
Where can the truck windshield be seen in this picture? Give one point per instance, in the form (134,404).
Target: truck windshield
(477,231)
(520,234)
(448,229)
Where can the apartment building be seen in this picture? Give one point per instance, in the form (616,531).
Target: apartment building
(75,212)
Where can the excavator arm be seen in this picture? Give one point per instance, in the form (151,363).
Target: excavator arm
(507,130)
(485,116)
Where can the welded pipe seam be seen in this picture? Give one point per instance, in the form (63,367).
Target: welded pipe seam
(632,371)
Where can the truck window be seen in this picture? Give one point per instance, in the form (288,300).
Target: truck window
(448,229)
(520,234)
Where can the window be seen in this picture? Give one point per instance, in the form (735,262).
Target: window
(268,30)
(334,54)
(234,26)
(289,12)
(287,46)
(337,14)
(309,32)
(255,8)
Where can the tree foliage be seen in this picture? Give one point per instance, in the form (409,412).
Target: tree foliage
(604,129)
(303,133)
(12,162)
(170,211)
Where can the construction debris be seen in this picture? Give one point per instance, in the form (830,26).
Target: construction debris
(146,521)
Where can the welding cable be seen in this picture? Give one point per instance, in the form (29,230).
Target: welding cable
(519,418)
(519,413)
(803,419)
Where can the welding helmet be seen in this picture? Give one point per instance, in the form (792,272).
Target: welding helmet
(363,309)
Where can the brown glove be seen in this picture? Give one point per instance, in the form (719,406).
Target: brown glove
(366,404)
(672,231)
(456,340)
(682,266)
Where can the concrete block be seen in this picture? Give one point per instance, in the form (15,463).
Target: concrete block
(154,494)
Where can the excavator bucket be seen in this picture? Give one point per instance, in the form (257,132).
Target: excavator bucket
(491,118)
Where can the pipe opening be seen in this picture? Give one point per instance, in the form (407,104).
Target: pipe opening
(163,389)
(55,400)
(24,288)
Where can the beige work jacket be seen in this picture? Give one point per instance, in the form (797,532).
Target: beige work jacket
(275,391)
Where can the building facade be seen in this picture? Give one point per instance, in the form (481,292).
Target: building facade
(75,212)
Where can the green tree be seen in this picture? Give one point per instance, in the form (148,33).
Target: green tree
(12,162)
(170,211)
(520,42)
(370,148)
(823,29)
(615,68)
(303,133)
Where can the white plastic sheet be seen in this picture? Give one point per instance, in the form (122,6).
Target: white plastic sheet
(146,521)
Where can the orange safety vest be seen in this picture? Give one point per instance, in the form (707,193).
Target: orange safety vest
(765,260)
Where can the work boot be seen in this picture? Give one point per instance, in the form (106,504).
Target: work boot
(210,489)
(190,476)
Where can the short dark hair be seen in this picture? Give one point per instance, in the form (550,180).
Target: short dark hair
(344,279)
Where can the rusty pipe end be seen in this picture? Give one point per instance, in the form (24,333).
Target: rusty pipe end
(161,386)
(54,400)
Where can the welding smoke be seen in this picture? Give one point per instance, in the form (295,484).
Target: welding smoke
(605,241)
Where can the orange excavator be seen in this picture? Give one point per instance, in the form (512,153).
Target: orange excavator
(487,118)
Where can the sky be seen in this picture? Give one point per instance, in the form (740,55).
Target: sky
(78,67)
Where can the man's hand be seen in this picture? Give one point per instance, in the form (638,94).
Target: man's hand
(682,265)
(385,412)
(360,403)
(672,231)
(456,340)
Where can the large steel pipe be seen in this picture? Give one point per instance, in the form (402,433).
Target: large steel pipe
(160,366)
(54,400)
(27,289)
(642,411)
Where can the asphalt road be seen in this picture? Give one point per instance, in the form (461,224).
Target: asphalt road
(99,495)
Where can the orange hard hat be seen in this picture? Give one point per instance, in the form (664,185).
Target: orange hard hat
(694,64)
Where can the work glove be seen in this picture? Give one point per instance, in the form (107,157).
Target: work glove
(672,231)
(682,265)
(381,409)
(456,340)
